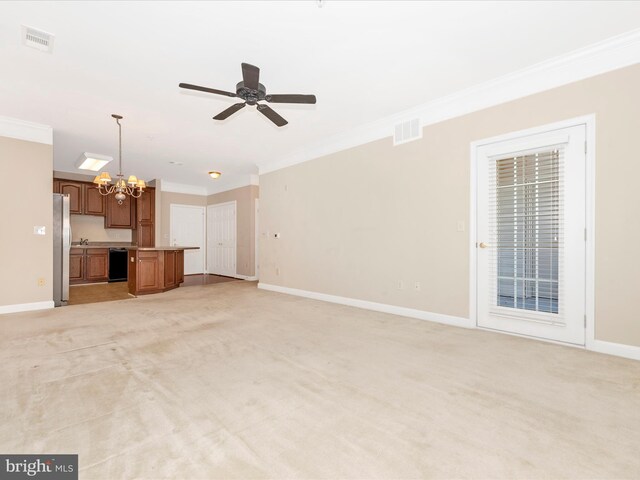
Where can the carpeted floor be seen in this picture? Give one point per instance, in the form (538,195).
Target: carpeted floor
(227,381)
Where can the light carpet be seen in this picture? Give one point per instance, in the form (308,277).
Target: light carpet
(227,381)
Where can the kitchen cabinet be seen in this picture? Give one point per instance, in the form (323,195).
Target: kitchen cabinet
(76,195)
(155,271)
(96,265)
(84,198)
(120,216)
(145,269)
(144,233)
(173,268)
(76,265)
(88,265)
(94,201)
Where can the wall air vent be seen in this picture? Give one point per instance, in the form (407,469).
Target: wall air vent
(38,39)
(407,131)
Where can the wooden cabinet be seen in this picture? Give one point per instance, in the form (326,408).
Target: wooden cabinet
(76,195)
(87,265)
(170,269)
(120,216)
(76,265)
(84,198)
(94,201)
(179,267)
(155,271)
(149,265)
(96,264)
(144,233)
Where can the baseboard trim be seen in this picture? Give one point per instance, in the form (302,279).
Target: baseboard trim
(599,346)
(246,277)
(26,307)
(616,349)
(377,307)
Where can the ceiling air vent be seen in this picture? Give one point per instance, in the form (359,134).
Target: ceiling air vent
(407,131)
(34,38)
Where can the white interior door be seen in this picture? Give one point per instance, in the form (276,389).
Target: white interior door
(531,219)
(187,229)
(221,239)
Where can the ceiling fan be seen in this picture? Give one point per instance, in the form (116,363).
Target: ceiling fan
(252,92)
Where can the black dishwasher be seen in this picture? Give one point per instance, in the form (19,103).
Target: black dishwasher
(117,265)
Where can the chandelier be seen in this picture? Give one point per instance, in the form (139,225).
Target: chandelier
(121,189)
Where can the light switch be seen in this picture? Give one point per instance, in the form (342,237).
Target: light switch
(39,230)
(461,225)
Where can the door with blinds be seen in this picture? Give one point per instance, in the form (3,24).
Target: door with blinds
(531,219)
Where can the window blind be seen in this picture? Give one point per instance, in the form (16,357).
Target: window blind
(526,233)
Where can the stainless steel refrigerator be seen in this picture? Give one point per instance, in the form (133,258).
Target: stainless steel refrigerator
(61,247)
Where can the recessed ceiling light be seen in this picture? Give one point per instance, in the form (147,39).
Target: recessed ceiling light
(176,163)
(214,174)
(92,161)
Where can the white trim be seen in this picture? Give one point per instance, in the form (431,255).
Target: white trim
(26,307)
(172,187)
(611,54)
(590,225)
(377,307)
(617,349)
(589,121)
(23,130)
(249,278)
(256,238)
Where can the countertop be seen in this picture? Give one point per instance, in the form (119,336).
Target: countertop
(128,246)
(161,248)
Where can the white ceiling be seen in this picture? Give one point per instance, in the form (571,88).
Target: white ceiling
(363,61)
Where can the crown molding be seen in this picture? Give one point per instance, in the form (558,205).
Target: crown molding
(23,130)
(611,54)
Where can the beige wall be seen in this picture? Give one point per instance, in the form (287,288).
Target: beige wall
(92,227)
(25,257)
(245,198)
(166,199)
(356,222)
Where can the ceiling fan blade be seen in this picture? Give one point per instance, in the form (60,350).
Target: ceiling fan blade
(292,98)
(229,111)
(205,89)
(250,76)
(271,114)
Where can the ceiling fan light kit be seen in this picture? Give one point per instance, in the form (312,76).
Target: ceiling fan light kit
(251,91)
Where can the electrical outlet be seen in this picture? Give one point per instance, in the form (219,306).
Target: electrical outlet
(461,225)
(277,271)
(400,285)
(417,286)
(41,282)
(276,235)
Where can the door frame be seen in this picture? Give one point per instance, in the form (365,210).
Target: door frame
(204,234)
(589,122)
(206,231)
(256,238)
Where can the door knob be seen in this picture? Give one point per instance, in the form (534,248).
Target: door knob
(484,245)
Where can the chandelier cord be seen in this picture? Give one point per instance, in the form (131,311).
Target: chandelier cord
(119,147)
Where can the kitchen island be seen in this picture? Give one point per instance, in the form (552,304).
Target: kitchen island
(155,269)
